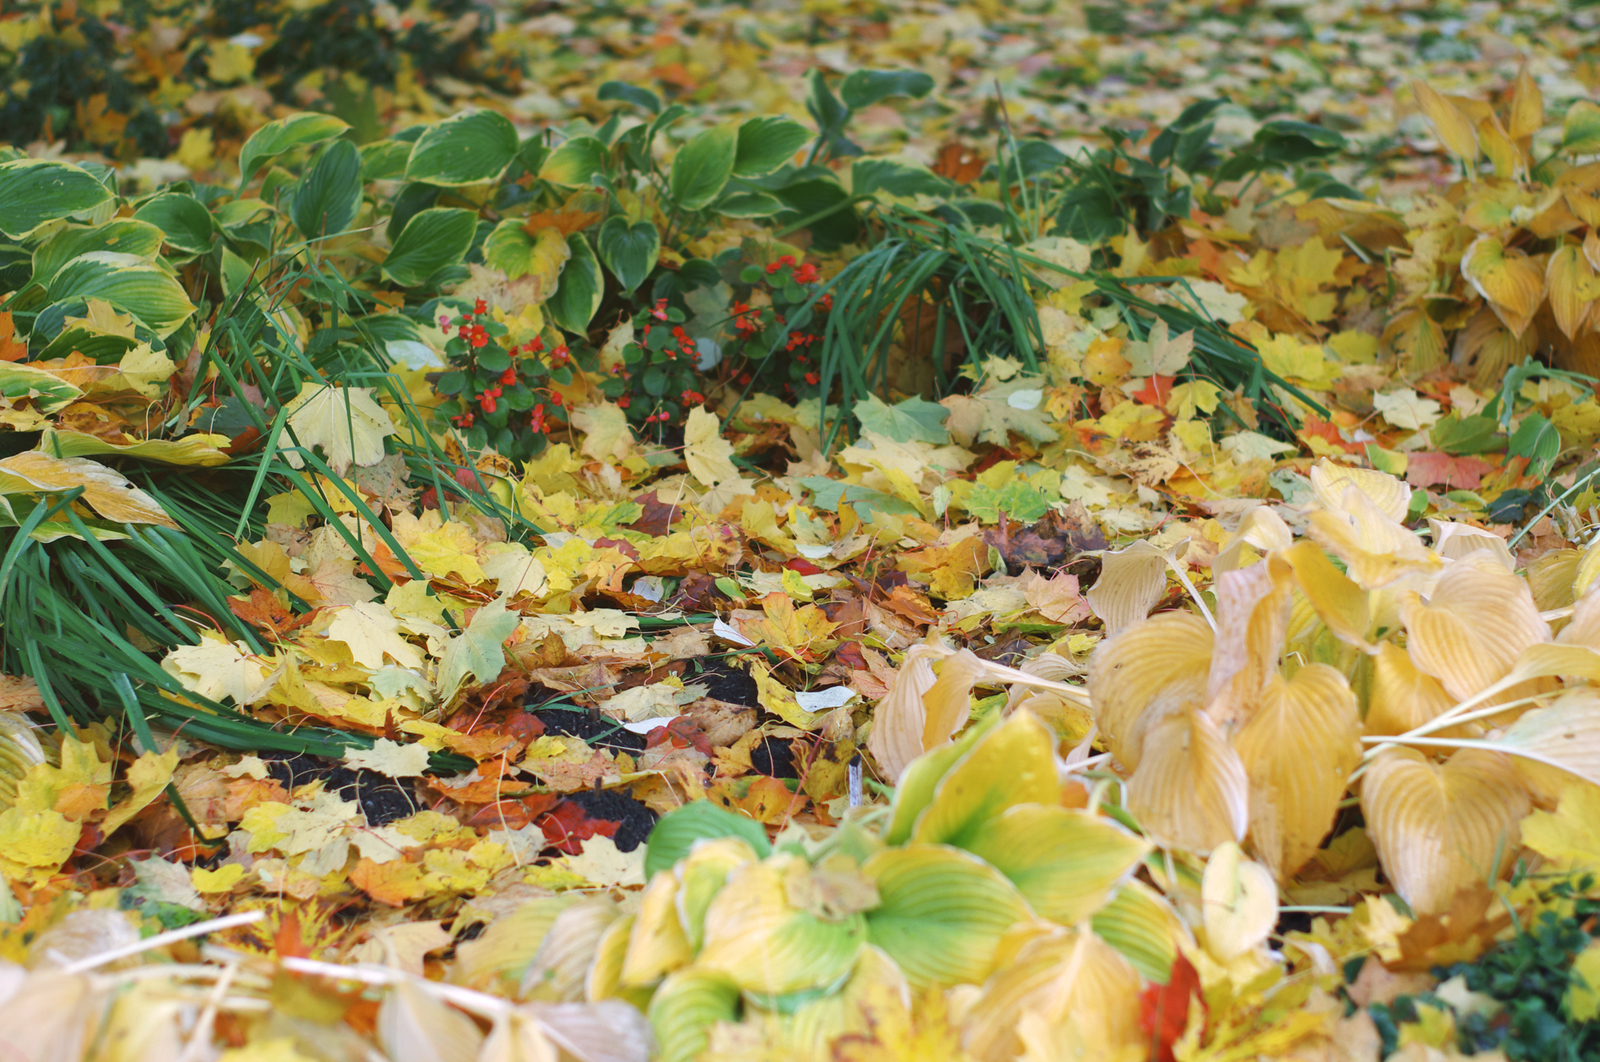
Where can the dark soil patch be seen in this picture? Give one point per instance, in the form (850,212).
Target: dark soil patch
(383,799)
(634,819)
(594,728)
(774,758)
(723,682)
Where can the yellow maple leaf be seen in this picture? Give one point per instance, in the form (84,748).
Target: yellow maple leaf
(707,453)
(344,421)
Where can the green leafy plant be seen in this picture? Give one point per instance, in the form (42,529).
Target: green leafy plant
(499,397)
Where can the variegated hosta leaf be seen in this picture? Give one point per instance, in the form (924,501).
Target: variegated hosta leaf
(657,945)
(701,875)
(1388,494)
(1441,827)
(1067,991)
(1298,750)
(604,978)
(922,776)
(942,914)
(1507,279)
(1141,924)
(1400,697)
(685,1007)
(1252,617)
(1149,670)
(1239,903)
(1476,622)
(1190,789)
(757,935)
(876,984)
(1012,764)
(1376,549)
(1065,861)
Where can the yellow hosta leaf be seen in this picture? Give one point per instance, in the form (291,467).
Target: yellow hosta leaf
(1066,992)
(1252,617)
(1507,278)
(1131,581)
(1376,549)
(1400,697)
(1527,106)
(1503,152)
(1190,790)
(1145,673)
(1343,606)
(1568,837)
(1573,288)
(899,720)
(1441,827)
(345,421)
(1388,494)
(1298,751)
(1565,735)
(1476,623)
(1239,903)
(657,945)
(1013,764)
(1454,129)
(701,875)
(105,490)
(1065,861)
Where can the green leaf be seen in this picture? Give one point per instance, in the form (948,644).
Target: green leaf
(1138,923)
(1013,764)
(1065,861)
(629,251)
(1287,142)
(913,419)
(679,828)
(866,87)
(511,250)
(48,391)
(941,913)
(1538,440)
(767,143)
(132,283)
(748,205)
(479,651)
(685,1007)
(922,775)
(469,148)
(285,134)
(575,163)
(124,235)
(1580,130)
(703,166)
(384,160)
(431,240)
(329,192)
(1476,434)
(578,297)
(642,98)
(34,192)
(184,221)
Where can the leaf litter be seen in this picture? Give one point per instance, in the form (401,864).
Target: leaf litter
(1092,703)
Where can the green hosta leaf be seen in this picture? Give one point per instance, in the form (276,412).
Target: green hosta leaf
(942,913)
(1013,764)
(578,297)
(431,240)
(629,251)
(1065,861)
(748,205)
(384,160)
(123,235)
(914,419)
(467,149)
(184,221)
(685,1007)
(767,143)
(329,192)
(1139,923)
(36,191)
(703,166)
(511,250)
(640,97)
(757,936)
(679,828)
(285,134)
(132,283)
(1287,142)
(1580,130)
(575,163)
(866,87)
(701,876)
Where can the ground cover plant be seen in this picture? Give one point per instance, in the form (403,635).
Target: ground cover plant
(851,531)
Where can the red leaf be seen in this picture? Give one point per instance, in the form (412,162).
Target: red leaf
(568,826)
(1156,391)
(1164,1009)
(1424,469)
(1329,433)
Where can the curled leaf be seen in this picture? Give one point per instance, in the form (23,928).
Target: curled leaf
(1190,789)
